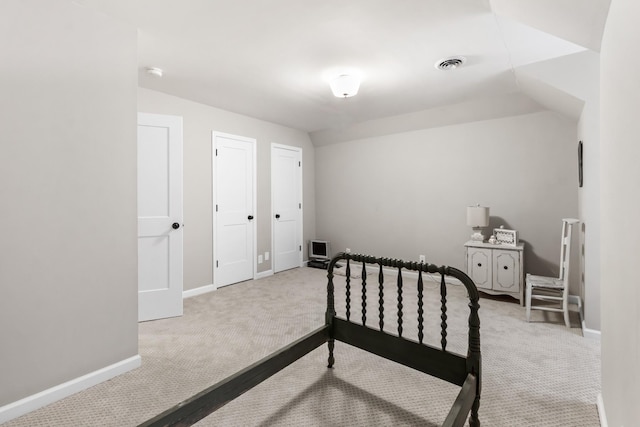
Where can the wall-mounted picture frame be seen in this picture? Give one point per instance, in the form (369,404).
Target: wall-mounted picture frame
(579,163)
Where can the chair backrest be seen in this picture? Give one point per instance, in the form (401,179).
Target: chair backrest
(565,249)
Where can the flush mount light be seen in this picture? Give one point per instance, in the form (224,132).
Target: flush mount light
(155,72)
(345,85)
(450,63)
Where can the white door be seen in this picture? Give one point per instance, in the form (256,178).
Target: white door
(234,201)
(286,199)
(159,216)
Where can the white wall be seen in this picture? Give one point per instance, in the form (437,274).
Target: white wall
(68,251)
(620,204)
(406,194)
(199,121)
(589,202)
(572,82)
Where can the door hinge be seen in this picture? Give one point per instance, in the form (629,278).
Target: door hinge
(216,151)
(300,248)
(299,205)
(216,208)
(216,263)
(299,164)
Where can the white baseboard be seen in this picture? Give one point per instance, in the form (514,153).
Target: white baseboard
(575,299)
(209,288)
(263,274)
(601,414)
(590,333)
(586,332)
(198,291)
(53,394)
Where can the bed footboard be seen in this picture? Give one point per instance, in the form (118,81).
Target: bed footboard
(456,369)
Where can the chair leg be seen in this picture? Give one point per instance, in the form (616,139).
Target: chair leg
(528,302)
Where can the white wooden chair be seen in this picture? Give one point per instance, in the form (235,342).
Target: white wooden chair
(553,289)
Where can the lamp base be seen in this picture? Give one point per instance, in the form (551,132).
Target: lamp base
(477,235)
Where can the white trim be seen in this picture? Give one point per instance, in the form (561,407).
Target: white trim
(590,333)
(264,274)
(254,148)
(53,394)
(601,413)
(586,332)
(198,291)
(214,199)
(272,258)
(575,299)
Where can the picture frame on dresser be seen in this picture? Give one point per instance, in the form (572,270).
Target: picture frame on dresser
(505,236)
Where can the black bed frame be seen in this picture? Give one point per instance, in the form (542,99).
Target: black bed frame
(438,362)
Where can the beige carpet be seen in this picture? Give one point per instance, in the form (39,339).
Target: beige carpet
(535,374)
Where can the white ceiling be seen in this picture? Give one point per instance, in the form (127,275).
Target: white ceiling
(270,59)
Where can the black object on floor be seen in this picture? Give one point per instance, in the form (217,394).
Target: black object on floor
(318,263)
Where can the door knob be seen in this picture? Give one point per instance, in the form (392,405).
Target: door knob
(277,216)
(250,217)
(175,225)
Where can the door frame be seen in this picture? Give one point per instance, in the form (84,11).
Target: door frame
(214,135)
(300,195)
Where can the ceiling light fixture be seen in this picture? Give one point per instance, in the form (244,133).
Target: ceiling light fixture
(345,86)
(450,63)
(155,72)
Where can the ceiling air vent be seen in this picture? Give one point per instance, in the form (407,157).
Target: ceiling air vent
(450,63)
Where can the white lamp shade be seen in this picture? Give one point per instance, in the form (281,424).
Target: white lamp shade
(477,216)
(345,86)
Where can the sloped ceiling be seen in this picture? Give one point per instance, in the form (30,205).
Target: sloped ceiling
(578,21)
(271,59)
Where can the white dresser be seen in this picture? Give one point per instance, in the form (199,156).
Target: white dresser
(496,269)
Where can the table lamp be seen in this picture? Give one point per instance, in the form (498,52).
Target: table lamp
(477,218)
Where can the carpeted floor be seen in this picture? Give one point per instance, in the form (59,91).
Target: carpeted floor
(534,374)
